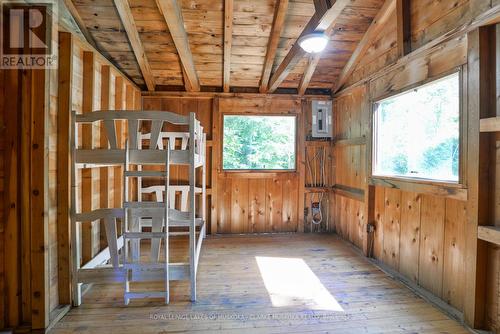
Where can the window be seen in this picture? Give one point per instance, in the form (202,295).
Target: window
(416,133)
(258,142)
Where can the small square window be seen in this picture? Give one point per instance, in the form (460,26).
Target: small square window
(416,133)
(258,142)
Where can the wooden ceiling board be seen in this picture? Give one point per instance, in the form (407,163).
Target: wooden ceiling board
(252,24)
(157,41)
(348,30)
(204,24)
(103,23)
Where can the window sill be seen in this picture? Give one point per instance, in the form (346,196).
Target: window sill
(444,189)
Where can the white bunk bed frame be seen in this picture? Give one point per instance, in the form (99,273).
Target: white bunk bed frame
(108,266)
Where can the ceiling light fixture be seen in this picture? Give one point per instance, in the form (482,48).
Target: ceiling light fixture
(314,42)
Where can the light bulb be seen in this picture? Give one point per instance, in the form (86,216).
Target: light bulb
(314,42)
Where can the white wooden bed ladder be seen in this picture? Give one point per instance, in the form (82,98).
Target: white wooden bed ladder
(158,212)
(184,216)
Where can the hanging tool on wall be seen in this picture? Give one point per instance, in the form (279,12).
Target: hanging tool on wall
(317,215)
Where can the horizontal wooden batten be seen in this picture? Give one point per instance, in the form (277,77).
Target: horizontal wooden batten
(491,124)
(318,143)
(350,141)
(489,234)
(316,189)
(445,190)
(241,95)
(349,192)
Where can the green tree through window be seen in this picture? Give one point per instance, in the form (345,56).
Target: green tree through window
(417,132)
(258,142)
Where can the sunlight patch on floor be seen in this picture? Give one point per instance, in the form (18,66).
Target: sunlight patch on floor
(290,282)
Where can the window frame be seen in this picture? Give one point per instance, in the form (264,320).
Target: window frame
(390,180)
(268,171)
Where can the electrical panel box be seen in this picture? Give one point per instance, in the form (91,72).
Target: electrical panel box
(322,119)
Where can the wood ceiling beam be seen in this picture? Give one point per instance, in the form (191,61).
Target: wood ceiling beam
(320,21)
(280,10)
(228,40)
(308,73)
(311,66)
(172,13)
(403,27)
(373,31)
(79,22)
(128,22)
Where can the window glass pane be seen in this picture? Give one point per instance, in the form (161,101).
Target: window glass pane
(259,142)
(417,132)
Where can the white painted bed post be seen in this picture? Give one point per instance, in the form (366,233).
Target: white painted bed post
(204,183)
(75,231)
(192,205)
(125,223)
(167,227)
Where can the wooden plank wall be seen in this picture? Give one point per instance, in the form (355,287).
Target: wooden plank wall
(3,132)
(27,211)
(418,233)
(349,153)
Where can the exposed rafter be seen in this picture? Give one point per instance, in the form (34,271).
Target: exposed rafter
(308,73)
(320,21)
(173,17)
(311,66)
(128,22)
(228,40)
(79,22)
(376,26)
(280,10)
(404,27)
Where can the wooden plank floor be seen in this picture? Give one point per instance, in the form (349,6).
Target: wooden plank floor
(269,284)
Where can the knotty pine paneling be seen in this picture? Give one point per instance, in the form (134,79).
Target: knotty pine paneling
(430,240)
(348,217)
(253,205)
(409,240)
(3,155)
